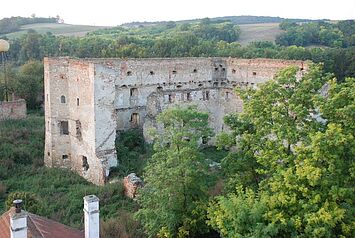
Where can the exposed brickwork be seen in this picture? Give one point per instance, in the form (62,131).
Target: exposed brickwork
(13,110)
(102,96)
(131,183)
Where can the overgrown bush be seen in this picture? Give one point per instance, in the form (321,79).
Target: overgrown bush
(31,201)
(122,226)
(132,152)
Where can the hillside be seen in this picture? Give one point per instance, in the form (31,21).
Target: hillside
(56,29)
(253,28)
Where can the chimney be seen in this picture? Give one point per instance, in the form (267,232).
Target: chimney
(18,221)
(91,216)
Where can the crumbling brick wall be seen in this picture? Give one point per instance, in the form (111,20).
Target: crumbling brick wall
(13,110)
(131,183)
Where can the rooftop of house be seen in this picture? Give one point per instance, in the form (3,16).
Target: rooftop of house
(39,227)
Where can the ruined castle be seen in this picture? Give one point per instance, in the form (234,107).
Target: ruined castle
(87,101)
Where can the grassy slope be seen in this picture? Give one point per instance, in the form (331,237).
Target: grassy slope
(258,32)
(56,29)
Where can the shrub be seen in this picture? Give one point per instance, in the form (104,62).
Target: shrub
(31,202)
(122,226)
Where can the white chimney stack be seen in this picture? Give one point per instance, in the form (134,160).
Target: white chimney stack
(18,221)
(91,216)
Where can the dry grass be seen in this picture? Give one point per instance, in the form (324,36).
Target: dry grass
(258,32)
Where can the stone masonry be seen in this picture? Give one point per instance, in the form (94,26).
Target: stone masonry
(88,100)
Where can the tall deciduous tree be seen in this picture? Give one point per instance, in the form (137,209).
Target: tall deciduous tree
(174,197)
(302,147)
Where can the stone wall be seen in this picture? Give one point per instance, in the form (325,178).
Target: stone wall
(103,96)
(13,110)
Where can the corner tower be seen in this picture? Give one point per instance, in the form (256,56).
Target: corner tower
(72,130)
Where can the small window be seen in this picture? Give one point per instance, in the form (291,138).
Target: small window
(195,71)
(227,95)
(200,84)
(223,69)
(204,140)
(174,72)
(220,65)
(215,69)
(215,84)
(129,73)
(49,153)
(179,86)
(64,128)
(85,163)
(135,119)
(151,72)
(254,73)
(234,71)
(78,129)
(160,88)
(134,92)
(206,95)
(188,96)
(77,101)
(62,99)
(64,157)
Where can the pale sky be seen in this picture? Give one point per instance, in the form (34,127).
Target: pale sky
(115,12)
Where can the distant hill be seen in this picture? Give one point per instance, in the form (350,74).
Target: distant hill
(238,20)
(253,28)
(56,29)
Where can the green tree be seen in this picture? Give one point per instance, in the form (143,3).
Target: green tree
(174,198)
(302,143)
(29,83)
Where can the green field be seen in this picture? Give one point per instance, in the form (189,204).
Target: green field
(56,29)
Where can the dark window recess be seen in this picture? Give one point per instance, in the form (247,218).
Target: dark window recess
(195,71)
(234,71)
(227,95)
(223,69)
(174,72)
(129,73)
(49,153)
(135,119)
(215,84)
(179,86)
(220,65)
(65,157)
(77,101)
(254,73)
(200,84)
(78,129)
(188,96)
(64,128)
(62,99)
(215,69)
(206,95)
(151,72)
(204,140)
(85,163)
(160,88)
(134,92)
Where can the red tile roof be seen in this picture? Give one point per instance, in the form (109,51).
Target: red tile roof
(39,227)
